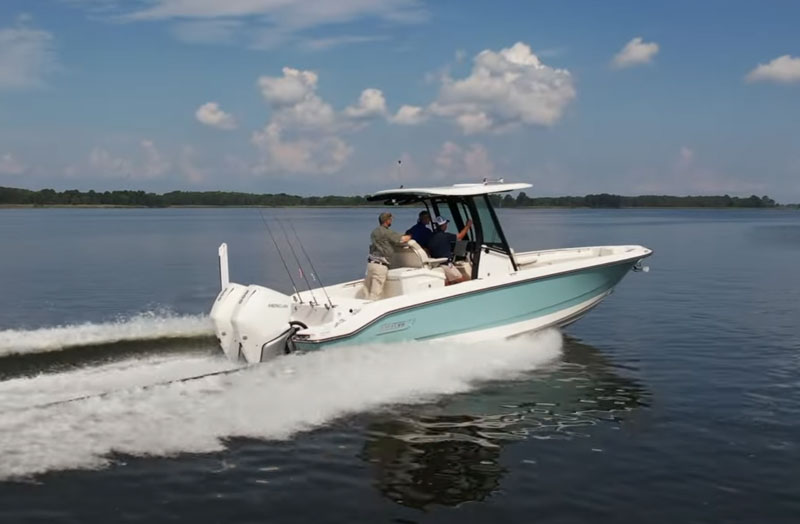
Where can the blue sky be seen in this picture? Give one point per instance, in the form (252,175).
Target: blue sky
(318,97)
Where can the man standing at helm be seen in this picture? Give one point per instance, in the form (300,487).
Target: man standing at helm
(381,248)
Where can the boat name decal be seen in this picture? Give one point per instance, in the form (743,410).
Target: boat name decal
(399,325)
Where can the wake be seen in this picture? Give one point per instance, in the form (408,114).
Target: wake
(143,408)
(143,327)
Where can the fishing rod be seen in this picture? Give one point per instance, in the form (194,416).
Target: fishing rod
(285,266)
(310,263)
(297,260)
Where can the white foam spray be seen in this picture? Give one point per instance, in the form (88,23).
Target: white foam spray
(268,401)
(145,326)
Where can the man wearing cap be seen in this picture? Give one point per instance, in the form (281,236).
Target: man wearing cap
(421,232)
(439,246)
(381,248)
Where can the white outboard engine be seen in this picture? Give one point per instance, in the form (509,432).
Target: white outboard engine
(222,313)
(261,323)
(251,322)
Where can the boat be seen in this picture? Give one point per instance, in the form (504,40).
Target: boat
(507,293)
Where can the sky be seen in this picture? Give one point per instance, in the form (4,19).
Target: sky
(318,97)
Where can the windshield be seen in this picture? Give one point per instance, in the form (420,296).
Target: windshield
(491,234)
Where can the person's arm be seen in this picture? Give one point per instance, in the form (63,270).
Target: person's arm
(461,234)
(397,238)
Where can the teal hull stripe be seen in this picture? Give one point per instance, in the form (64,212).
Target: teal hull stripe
(485,309)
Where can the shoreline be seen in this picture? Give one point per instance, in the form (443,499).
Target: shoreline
(113,206)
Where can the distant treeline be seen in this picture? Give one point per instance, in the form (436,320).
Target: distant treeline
(73,197)
(606,200)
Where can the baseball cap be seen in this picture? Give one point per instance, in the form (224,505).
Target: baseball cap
(440,221)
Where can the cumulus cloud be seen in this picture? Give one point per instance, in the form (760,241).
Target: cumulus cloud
(10,165)
(153,163)
(188,166)
(212,115)
(294,100)
(324,154)
(635,52)
(370,104)
(303,134)
(465,164)
(505,89)
(27,55)
(103,162)
(784,69)
(148,164)
(408,116)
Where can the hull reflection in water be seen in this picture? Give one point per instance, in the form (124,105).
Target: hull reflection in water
(451,454)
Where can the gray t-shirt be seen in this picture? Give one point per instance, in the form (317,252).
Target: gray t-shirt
(382,242)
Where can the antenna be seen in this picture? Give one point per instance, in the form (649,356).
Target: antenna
(297,260)
(308,258)
(400,171)
(269,230)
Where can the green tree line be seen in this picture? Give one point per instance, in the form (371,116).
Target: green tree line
(605,200)
(50,197)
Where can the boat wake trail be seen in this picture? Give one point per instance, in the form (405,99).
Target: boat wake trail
(143,327)
(131,407)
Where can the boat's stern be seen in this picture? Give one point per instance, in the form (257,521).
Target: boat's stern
(252,323)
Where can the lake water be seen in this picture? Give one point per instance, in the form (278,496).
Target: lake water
(676,400)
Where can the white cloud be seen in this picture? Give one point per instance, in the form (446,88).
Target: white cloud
(408,115)
(289,89)
(370,104)
(27,55)
(280,12)
(212,115)
(149,163)
(505,89)
(784,69)
(323,44)
(685,156)
(295,102)
(303,134)
(10,165)
(215,31)
(153,163)
(320,155)
(102,162)
(635,52)
(465,165)
(188,167)
(260,24)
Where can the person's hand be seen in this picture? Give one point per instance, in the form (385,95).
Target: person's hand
(469,223)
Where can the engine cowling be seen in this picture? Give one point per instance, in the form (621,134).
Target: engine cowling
(221,314)
(261,323)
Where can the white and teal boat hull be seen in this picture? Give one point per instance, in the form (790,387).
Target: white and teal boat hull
(498,311)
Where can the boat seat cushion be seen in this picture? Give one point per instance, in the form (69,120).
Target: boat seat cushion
(411,254)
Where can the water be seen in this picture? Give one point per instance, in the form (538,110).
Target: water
(677,400)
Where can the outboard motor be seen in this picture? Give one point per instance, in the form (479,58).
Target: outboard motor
(261,323)
(221,314)
(251,322)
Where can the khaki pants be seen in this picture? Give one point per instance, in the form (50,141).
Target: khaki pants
(374,280)
(451,273)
